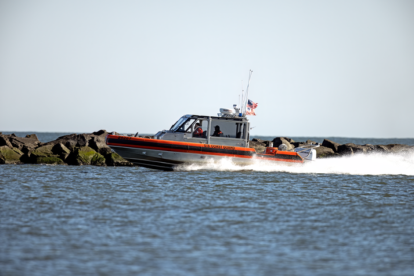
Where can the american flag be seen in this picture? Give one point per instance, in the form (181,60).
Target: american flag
(250,108)
(251,104)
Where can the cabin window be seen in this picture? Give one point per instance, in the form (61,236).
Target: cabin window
(183,125)
(228,129)
(178,124)
(200,132)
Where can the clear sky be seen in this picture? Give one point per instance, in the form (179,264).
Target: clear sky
(321,68)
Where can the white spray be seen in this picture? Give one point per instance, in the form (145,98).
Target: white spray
(358,164)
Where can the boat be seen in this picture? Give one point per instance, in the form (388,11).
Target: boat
(198,139)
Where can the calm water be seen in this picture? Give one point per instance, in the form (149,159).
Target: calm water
(344,216)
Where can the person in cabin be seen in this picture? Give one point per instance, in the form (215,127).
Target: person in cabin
(198,132)
(217,131)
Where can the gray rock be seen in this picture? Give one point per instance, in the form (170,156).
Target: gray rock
(115,159)
(398,148)
(45,155)
(86,156)
(4,141)
(322,152)
(71,144)
(258,140)
(9,155)
(345,150)
(368,148)
(100,132)
(32,136)
(282,140)
(98,144)
(60,150)
(259,147)
(82,140)
(381,148)
(70,141)
(298,144)
(20,142)
(331,144)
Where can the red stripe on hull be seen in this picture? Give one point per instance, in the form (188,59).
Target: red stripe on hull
(178,150)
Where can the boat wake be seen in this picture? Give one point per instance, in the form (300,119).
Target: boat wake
(359,164)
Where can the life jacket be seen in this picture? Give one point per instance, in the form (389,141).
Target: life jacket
(217,134)
(198,132)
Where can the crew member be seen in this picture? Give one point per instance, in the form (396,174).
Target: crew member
(217,131)
(198,132)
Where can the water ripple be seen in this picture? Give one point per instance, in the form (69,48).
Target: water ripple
(71,220)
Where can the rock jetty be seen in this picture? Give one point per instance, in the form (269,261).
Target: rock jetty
(91,149)
(329,148)
(73,149)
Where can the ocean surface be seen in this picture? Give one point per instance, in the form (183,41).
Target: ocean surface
(341,216)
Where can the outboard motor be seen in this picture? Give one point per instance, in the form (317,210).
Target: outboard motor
(308,154)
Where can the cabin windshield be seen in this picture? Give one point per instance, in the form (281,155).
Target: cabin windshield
(178,123)
(183,125)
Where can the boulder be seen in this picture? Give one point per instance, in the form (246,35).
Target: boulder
(298,144)
(398,148)
(345,150)
(32,136)
(16,143)
(115,159)
(4,141)
(82,140)
(368,148)
(99,145)
(50,160)
(282,140)
(322,152)
(27,151)
(100,132)
(381,148)
(359,149)
(43,151)
(86,156)
(60,150)
(67,137)
(331,144)
(258,140)
(71,144)
(290,140)
(45,155)
(310,142)
(9,155)
(98,160)
(67,140)
(20,142)
(258,146)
